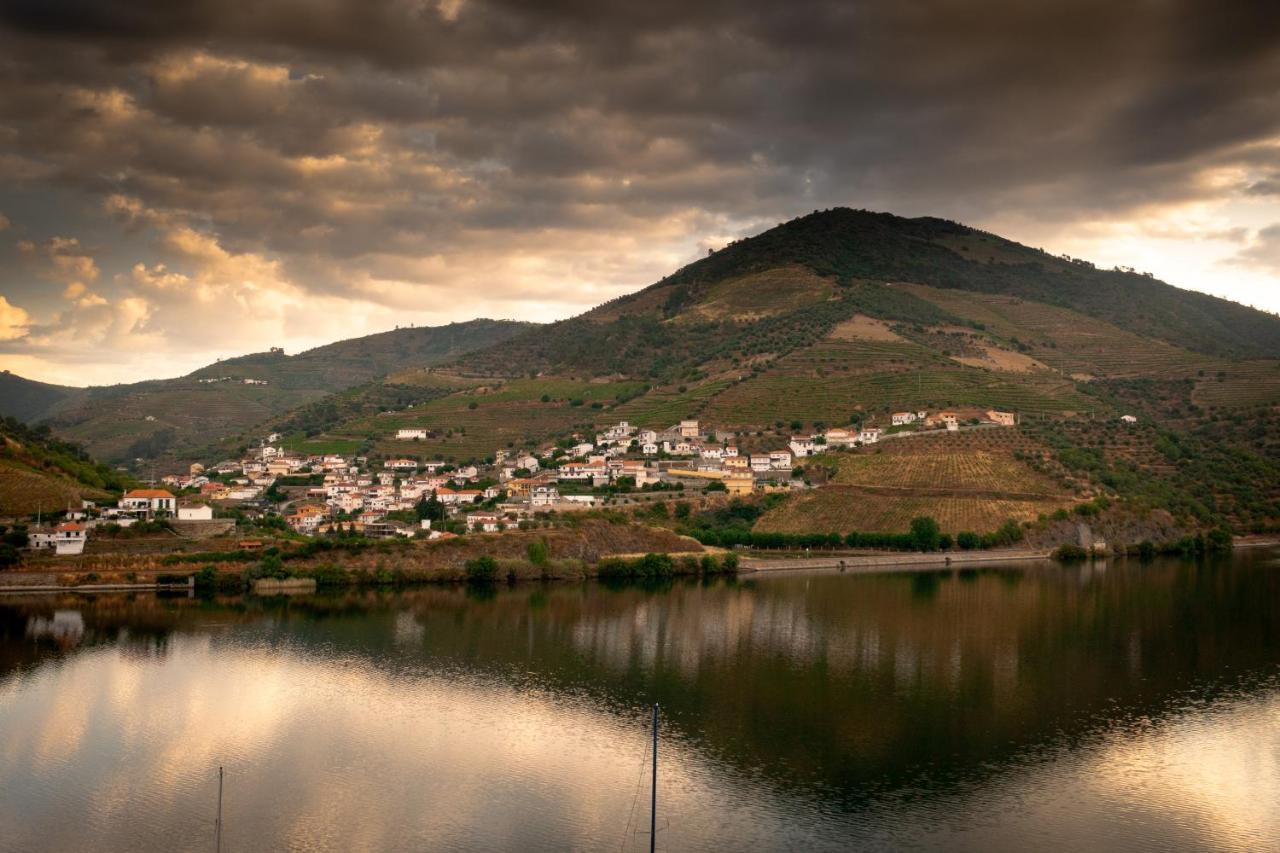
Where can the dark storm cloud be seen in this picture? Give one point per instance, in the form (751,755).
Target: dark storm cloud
(361,142)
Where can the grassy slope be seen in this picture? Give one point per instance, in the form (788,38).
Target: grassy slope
(187,416)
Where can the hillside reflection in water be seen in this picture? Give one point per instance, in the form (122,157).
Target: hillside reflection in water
(1122,707)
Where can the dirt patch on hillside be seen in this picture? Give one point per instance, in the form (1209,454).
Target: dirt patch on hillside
(862,328)
(758,295)
(994,358)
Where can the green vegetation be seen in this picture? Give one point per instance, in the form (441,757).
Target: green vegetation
(482,570)
(659,566)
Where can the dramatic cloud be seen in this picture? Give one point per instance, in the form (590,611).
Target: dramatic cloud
(418,161)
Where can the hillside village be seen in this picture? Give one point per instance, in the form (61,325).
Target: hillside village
(407,496)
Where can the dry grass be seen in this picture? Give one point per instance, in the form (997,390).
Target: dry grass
(862,328)
(997,358)
(752,297)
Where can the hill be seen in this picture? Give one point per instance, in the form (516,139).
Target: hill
(843,317)
(757,295)
(28,400)
(39,472)
(183,418)
(838,316)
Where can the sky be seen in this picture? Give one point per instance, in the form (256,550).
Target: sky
(182,181)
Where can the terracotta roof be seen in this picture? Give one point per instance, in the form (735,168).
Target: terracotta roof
(148,493)
(67,526)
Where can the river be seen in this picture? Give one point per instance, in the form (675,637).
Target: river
(1119,707)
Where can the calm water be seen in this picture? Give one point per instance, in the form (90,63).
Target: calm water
(1126,708)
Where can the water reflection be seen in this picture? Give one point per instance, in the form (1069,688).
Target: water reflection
(1118,707)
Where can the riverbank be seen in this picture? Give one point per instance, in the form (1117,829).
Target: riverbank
(411,565)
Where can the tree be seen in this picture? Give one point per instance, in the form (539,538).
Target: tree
(925,533)
(16,536)
(539,553)
(429,508)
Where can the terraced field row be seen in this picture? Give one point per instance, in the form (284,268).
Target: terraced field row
(975,470)
(1083,344)
(476,433)
(832,399)
(661,409)
(518,401)
(844,509)
(1249,383)
(836,355)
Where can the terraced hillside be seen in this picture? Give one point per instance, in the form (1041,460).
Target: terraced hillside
(40,473)
(971,481)
(472,424)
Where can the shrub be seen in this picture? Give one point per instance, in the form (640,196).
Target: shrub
(206,578)
(1069,552)
(482,570)
(967,540)
(538,552)
(1219,540)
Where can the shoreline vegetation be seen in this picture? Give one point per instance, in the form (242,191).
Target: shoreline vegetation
(227,572)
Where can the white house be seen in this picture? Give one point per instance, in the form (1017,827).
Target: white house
(543,495)
(67,538)
(869,435)
(486,522)
(195,512)
(903,418)
(801,446)
(410,434)
(649,448)
(760,462)
(839,437)
(618,431)
(688,429)
(149,502)
(401,464)
(780,460)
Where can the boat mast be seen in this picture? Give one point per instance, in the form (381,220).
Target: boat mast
(217,827)
(653,791)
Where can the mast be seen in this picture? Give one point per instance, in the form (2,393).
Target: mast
(217,827)
(653,791)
